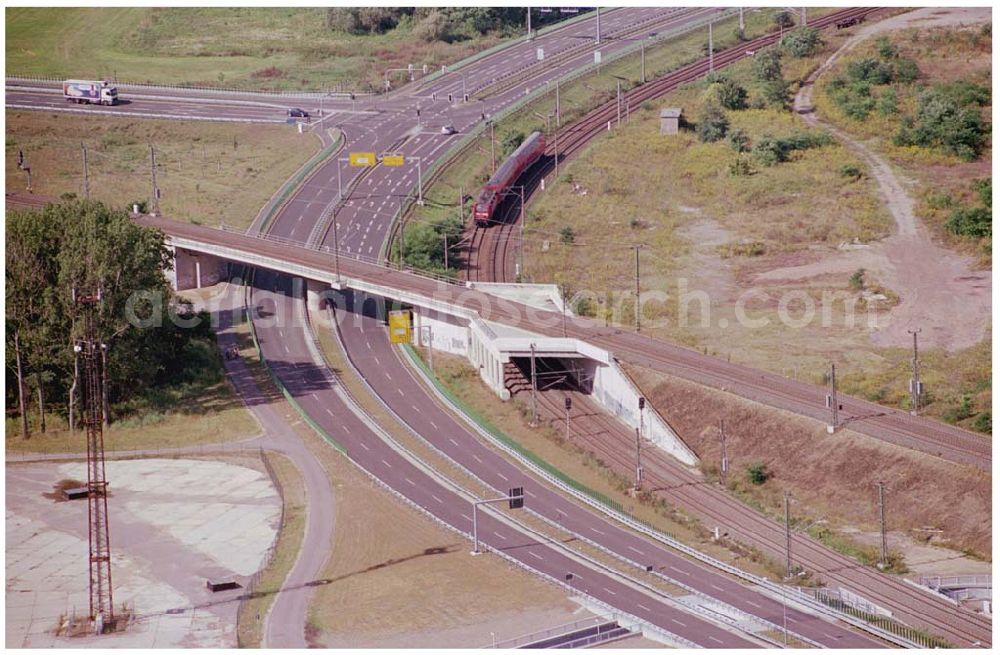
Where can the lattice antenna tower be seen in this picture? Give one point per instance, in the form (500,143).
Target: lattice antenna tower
(99,556)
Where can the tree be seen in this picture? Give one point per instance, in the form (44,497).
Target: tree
(739,140)
(510,141)
(941,122)
(713,124)
(776,93)
(767,65)
(783,19)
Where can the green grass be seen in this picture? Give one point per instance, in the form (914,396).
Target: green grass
(207,173)
(239,47)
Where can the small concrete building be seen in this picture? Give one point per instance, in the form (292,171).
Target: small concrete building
(670,120)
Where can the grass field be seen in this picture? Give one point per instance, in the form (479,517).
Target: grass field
(207,173)
(235,47)
(577,98)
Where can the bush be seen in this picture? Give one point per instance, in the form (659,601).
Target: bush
(942,123)
(983,422)
(803,42)
(770,150)
(783,19)
(567,235)
(757,473)
(961,411)
(713,124)
(885,48)
(975,222)
(776,93)
(906,71)
(857,280)
(965,93)
(984,188)
(887,103)
(739,140)
(740,167)
(731,95)
(510,141)
(767,65)
(851,171)
(869,70)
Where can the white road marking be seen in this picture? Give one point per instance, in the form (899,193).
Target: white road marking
(364,446)
(680,623)
(644,607)
(534,555)
(466,517)
(412,483)
(679,571)
(437,499)
(610,592)
(476,457)
(636,550)
(596,530)
(718,641)
(433,425)
(387,463)
(750,602)
(505,479)
(329,412)
(452,441)
(717,588)
(500,535)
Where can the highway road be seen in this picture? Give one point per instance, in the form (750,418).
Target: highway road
(283,336)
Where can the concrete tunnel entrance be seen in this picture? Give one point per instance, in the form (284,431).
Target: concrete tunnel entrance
(551,373)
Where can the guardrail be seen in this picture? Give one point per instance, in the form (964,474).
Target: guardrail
(202,89)
(884,628)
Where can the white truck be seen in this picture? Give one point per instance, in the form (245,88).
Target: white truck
(100,92)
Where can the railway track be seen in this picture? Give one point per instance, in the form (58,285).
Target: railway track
(884,423)
(595,430)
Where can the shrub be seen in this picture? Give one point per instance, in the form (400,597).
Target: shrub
(983,422)
(731,95)
(803,42)
(984,188)
(739,140)
(851,171)
(757,473)
(567,235)
(511,141)
(770,150)
(740,167)
(767,65)
(783,19)
(885,48)
(906,71)
(857,280)
(965,93)
(942,123)
(961,411)
(713,124)
(887,104)
(870,70)
(775,93)
(975,222)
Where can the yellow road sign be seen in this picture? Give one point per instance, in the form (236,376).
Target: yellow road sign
(362,159)
(393,160)
(399,326)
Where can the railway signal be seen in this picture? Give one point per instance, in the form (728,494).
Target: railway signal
(916,386)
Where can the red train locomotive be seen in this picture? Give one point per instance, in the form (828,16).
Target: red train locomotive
(525,155)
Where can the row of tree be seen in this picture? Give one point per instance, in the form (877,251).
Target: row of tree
(434,23)
(54,254)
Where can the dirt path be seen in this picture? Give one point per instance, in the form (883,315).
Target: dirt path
(940,291)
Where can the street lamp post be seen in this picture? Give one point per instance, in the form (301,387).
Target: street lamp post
(515,499)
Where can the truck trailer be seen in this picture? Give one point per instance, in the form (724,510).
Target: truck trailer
(100,92)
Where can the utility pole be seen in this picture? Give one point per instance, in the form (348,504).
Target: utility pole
(520,249)
(884,554)
(804,21)
(638,324)
(336,247)
(558,114)
(86,173)
(642,50)
(788,539)
(711,50)
(618,102)
(534,389)
(430,346)
(402,236)
(831,400)
(743,25)
(493,148)
(515,500)
(598,24)
(724,458)
(915,385)
(563,291)
(555,147)
(156,189)
(446,251)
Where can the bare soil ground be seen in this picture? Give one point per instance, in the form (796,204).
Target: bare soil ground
(935,284)
(930,500)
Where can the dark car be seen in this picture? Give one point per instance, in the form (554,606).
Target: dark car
(295,112)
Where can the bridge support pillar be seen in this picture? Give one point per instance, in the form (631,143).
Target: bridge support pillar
(194,270)
(316,293)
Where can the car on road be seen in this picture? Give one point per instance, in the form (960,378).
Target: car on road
(295,112)
(448,129)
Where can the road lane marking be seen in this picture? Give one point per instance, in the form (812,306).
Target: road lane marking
(718,641)
(453,441)
(412,483)
(418,409)
(680,623)
(644,607)
(476,457)
(364,446)
(534,555)
(437,499)
(679,571)
(433,425)
(500,535)
(387,463)
(750,602)
(610,592)
(597,531)
(329,412)
(636,550)
(717,588)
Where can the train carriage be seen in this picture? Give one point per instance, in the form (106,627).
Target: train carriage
(526,154)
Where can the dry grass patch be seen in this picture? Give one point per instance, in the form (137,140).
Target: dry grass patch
(822,471)
(208,173)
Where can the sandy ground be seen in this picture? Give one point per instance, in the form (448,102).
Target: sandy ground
(935,284)
(173,524)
